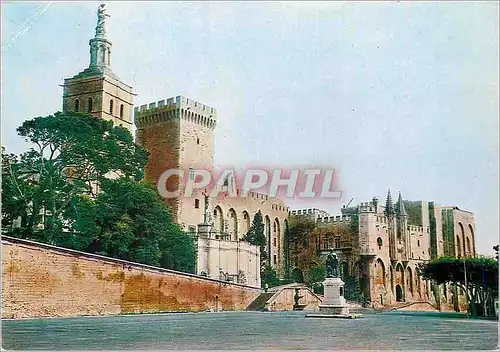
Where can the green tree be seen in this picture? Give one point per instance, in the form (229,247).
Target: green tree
(269,276)
(478,277)
(352,289)
(255,236)
(301,227)
(315,278)
(66,177)
(71,154)
(128,220)
(14,192)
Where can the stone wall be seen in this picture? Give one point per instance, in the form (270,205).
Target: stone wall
(238,213)
(39,280)
(161,139)
(283,299)
(215,255)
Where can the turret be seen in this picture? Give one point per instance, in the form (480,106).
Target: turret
(389,205)
(391,224)
(402,232)
(375,204)
(400,207)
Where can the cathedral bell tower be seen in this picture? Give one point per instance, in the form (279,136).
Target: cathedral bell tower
(97,90)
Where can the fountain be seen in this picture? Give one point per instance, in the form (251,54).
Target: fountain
(296,299)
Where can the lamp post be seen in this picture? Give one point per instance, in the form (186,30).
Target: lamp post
(466,293)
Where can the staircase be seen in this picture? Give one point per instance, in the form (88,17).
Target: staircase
(259,303)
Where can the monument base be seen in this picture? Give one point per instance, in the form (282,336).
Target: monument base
(339,312)
(335,316)
(343,310)
(334,304)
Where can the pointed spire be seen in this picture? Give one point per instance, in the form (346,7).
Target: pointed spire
(389,205)
(400,207)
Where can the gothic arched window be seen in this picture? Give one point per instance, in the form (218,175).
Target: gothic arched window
(90,105)
(77,105)
(111,106)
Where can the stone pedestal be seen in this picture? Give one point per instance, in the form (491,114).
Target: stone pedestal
(334,302)
(204,230)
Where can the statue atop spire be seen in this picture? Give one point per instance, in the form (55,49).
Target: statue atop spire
(100,46)
(100,30)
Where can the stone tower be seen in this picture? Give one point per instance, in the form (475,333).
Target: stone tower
(97,90)
(178,133)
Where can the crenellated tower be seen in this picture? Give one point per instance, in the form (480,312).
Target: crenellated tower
(367,230)
(178,133)
(97,90)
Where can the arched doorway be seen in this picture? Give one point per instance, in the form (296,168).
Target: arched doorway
(277,240)
(473,247)
(459,248)
(464,249)
(297,275)
(233,225)
(246,223)
(267,229)
(409,280)
(399,293)
(399,279)
(218,220)
(379,273)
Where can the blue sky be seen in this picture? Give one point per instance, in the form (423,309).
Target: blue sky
(392,95)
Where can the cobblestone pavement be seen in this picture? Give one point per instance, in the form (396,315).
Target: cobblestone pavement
(253,330)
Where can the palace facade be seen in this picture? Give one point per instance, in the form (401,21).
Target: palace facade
(380,245)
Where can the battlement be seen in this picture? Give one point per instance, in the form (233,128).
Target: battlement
(276,203)
(334,219)
(367,207)
(314,212)
(416,228)
(178,107)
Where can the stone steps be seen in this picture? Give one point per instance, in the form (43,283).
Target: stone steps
(259,303)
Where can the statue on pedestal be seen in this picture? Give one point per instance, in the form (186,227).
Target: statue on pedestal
(206,214)
(332,265)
